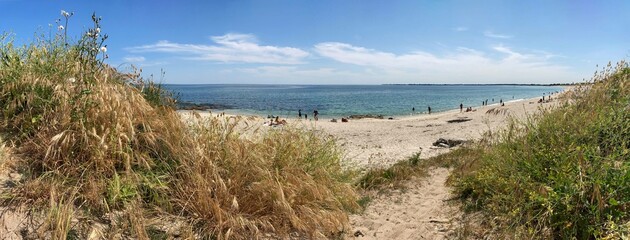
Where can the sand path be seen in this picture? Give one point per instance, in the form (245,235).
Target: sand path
(419,212)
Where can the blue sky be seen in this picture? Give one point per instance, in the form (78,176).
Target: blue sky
(345,42)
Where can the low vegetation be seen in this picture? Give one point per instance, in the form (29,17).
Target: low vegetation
(101,145)
(562,174)
(396,175)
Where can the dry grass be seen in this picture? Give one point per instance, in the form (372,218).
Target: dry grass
(59,217)
(113,143)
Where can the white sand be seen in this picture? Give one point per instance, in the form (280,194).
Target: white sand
(372,143)
(419,212)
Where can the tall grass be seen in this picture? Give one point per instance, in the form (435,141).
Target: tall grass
(562,174)
(114,145)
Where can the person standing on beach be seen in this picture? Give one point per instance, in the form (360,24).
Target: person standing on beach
(429,109)
(300,113)
(413,110)
(461,107)
(315,113)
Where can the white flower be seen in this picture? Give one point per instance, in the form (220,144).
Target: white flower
(103,49)
(98,30)
(64,13)
(72,80)
(60,27)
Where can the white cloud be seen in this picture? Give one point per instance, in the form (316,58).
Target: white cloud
(134,59)
(229,48)
(347,53)
(140,61)
(491,34)
(499,64)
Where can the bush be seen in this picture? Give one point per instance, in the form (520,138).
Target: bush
(564,173)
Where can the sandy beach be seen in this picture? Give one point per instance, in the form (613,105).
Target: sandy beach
(381,142)
(372,143)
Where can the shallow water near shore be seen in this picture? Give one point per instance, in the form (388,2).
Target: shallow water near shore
(344,100)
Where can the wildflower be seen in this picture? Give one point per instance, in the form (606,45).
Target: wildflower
(72,80)
(103,49)
(98,30)
(60,27)
(64,13)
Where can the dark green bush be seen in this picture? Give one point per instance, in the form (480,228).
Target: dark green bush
(564,174)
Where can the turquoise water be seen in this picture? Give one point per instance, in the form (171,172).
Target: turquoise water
(344,100)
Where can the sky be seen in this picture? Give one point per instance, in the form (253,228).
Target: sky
(343,41)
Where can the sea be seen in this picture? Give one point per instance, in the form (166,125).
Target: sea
(336,101)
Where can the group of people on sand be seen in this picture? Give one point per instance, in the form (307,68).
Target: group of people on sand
(543,98)
(485,102)
(315,114)
(468,109)
(461,108)
(275,121)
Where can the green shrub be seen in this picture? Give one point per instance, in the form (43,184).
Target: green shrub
(564,173)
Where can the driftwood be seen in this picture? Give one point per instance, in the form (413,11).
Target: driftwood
(448,143)
(360,116)
(459,120)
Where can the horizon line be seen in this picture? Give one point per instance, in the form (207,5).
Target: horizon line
(389,84)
